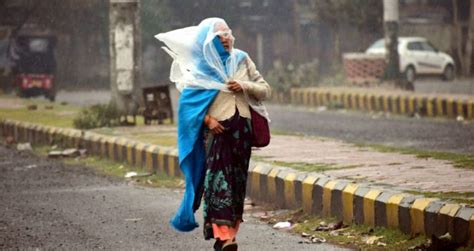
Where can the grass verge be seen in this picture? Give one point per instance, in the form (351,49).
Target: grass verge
(458,160)
(303,166)
(116,169)
(463,198)
(46,113)
(355,236)
(155,137)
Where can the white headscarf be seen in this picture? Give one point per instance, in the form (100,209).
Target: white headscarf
(193,52)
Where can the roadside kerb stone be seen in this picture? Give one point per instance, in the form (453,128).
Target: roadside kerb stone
(404,220)
(417,215)
(316,193)
(397,103)
(280,188)
(436,222)
(464,226)
(381,207)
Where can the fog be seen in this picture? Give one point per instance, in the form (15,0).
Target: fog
(294,43)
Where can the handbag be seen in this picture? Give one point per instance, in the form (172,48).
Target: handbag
(260,129)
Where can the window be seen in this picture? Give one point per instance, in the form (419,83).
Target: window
(379,44)
(427,46)
(38,45)
(414,46)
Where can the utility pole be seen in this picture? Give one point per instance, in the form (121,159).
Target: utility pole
(125,55)
(390,17)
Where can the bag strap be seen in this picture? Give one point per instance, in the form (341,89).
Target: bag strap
(247,66)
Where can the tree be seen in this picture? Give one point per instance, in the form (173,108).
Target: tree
(464,41)
(362,15)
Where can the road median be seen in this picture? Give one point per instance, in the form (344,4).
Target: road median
(388,101)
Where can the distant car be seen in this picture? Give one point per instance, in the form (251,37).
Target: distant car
(418,57)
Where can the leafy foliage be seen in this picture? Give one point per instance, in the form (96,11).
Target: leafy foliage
(283,78)
(97,116)
(363,14)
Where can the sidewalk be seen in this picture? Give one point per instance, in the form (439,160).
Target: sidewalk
(338,159)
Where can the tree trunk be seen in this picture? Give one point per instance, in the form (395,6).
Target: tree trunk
(469,41)
(458,37)
(297,32)
(391,18)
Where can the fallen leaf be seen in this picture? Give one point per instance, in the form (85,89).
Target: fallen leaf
(381,244)
(282,224)
(372,239)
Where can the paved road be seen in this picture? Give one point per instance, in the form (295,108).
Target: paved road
(429,134)
(49,205)
(436,85)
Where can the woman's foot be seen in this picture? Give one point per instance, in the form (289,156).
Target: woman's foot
(218,245)
(229,245)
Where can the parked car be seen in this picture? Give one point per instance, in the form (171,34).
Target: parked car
(418,57)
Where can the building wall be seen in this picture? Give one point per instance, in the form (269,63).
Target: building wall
(438,34)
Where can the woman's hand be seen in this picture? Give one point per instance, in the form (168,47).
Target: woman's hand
(214,126)
(234,86)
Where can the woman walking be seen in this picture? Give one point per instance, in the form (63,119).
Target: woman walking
(219,85)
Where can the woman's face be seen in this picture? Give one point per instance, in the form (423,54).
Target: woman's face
(225,36)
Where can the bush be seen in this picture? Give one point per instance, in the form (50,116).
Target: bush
(98,116)
(282,78)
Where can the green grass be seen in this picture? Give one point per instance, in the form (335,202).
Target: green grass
(59,116)
(459,160)
(353,235)
(157,138)
(112,168)
(303,166)
(456,197)
(162,140)
(63,116)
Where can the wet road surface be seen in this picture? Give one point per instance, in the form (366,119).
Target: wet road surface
(48,205)
(399,131)
(356,127)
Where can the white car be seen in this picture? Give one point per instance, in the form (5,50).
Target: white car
(418,57)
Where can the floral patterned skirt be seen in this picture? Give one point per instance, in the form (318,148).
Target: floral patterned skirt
(225,180)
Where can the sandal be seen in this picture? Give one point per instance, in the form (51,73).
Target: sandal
(218,245)
(230,246)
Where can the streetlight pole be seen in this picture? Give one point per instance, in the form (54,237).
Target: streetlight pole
(391,17)
(125,55)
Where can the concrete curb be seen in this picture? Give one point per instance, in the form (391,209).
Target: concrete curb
(282,187)
(404,104)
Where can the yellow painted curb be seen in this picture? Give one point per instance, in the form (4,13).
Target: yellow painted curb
(393,204)
(149,157)
(369,206)
(161,160)
(307,193)
(417,214)
(139,147)
(450,210)
(255,180)
(348,202)
(271,184)
(327,193)
(121,143)
(130,151)
(289,190)
(172,167)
